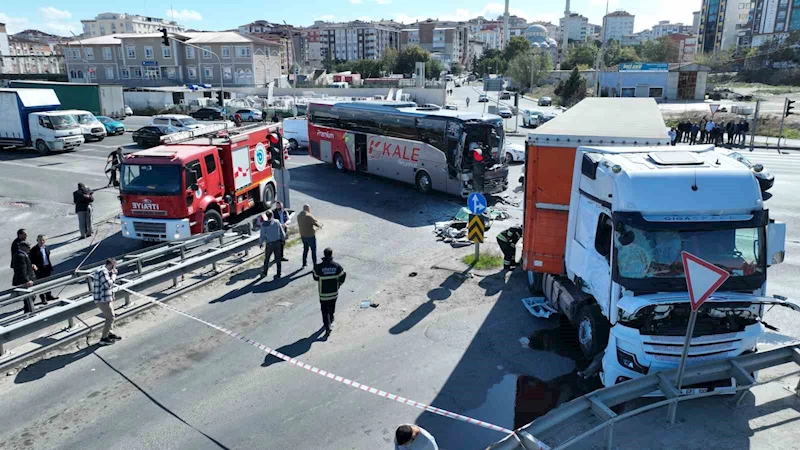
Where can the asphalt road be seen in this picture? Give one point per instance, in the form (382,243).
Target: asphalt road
(436,337)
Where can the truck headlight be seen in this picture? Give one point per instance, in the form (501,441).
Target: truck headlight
(177,236)
(628,361)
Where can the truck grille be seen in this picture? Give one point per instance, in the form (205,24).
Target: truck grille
(149,227)
(97,130)
(703,348)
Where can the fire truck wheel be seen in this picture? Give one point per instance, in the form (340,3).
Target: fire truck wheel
(424,182)
(268,196)
(42,148)
(338,162)
(212,221)
(593,331)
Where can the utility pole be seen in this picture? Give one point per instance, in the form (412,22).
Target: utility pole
(755,125)
(565,37)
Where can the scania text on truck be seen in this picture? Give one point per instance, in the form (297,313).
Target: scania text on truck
(172,191)
(429,149)
(30,118)
(610,206)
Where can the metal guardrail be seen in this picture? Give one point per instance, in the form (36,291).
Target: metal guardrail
(600,402)
(141,269)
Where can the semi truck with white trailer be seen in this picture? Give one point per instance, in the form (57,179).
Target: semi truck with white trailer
(31,118)
(609,208)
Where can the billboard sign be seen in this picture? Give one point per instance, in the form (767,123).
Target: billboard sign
(644,67)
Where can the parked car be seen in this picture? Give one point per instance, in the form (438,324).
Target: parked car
(113,127)
(128,111)
(505,112)
(179,121)
(765,179)
(548,117)
(429,107)
(91,128)
(458,83)
(505,95)
(545,101)
(150,136)
(207,114)
(514,153)
(296,132)
(248,115)
(483,98)
(451,107)
(531,118)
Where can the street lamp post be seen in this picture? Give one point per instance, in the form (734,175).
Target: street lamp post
(83,58)
(221,75)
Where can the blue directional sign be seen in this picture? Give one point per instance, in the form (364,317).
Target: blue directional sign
(476,203)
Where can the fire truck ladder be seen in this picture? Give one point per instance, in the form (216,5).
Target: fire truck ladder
(593,411)
(212,131)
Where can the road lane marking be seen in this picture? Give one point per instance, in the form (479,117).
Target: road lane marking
(312,369)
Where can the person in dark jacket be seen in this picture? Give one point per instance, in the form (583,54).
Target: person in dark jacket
(113,163)
(42,264)
(693,134)
(703,131)
(330,276)
(22,236)
(729,128)
(507,240)
(745,130)
(23,271)
(83,199)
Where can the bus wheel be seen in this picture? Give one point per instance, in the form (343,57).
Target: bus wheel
(212,221)
(268,196)
(338,162)
(424,182)
(593,331)
(42,148)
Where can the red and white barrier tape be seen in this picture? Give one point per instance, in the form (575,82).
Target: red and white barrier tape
(326,374)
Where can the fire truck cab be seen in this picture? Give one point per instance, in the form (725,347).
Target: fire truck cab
(172,191)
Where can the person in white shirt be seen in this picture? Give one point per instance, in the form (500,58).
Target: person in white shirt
(709,127)
(412,437)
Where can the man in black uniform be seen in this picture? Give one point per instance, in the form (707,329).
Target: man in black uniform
(330,275)
(507,240)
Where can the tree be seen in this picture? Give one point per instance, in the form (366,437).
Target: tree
(474,66)
(389,59)
(532,66)
(616,54)
(433,68)
(662,49)
(407,59)
(516,45)
(572,90)
(580,55)
(368,68)
(456,69)
(492,65)
(328,63)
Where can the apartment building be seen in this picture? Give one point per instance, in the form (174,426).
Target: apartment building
(773,19)
(446,41)
(24,56)
(4,49)
(354,40)
(665,28)
(578,28)
(696,22)
(636,38)
(113,23)
(134,60)
(728,24)
(616,25)
(492,39)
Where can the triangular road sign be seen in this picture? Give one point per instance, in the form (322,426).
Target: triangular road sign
(714,107)
(702,278)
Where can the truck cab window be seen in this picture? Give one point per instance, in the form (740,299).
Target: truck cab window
(211,164)
(602,241)
(193,173)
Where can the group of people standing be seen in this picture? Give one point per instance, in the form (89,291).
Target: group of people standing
(707,131)
(30,264)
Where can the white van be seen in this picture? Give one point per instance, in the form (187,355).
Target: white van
(296,132)
(91,128)
(179,121)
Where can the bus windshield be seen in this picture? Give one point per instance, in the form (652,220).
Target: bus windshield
(149,179)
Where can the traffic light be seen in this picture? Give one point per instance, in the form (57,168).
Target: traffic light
(276,154)
(164,38)
(787,108)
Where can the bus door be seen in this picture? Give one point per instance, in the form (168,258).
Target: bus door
(361,152)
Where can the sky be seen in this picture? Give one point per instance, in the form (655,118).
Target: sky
(63,17)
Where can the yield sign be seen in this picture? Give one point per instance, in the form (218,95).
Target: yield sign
(714,108)
(702,278)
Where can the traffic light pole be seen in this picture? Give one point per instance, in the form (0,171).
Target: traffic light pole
(755,125)
(780,131)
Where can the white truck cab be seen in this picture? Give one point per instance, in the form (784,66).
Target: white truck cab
(91,128)
(54,131)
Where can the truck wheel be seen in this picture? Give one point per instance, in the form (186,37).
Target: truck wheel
(42,148)
(338,162)
(268,196)
(593,331)
(212,221)
(424,184)
(535,282)
(293,145)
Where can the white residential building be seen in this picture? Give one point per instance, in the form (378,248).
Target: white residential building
(578,27)
(113,23)
(616,25)
(665,28)
(354,40)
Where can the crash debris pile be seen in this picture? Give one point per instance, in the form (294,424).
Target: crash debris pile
(454,231)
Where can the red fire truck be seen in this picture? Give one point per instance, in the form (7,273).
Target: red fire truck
(198,180)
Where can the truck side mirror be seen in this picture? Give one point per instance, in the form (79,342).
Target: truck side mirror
(626,238)
(776,243)
(193,187)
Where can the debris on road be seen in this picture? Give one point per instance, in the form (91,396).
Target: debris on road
(538,307)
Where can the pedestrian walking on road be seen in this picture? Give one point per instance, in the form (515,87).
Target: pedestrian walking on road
(273,236)
(42,264)
(83,199)
(467,102)
(22,236)
(283,218)
(412,437)
(308,225)
(330,276)
(113,162)
(24,272)
(507,240)
(103,293)
(693,134)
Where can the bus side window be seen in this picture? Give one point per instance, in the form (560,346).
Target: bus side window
(431,132)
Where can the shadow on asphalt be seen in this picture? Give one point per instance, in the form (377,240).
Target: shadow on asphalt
(381,197)
(298,348)
(441,293)
(41,368)
(258,284)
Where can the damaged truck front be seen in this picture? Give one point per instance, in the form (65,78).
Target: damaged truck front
(609,208)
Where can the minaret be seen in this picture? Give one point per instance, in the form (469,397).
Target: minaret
(506,31)
(565,36)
